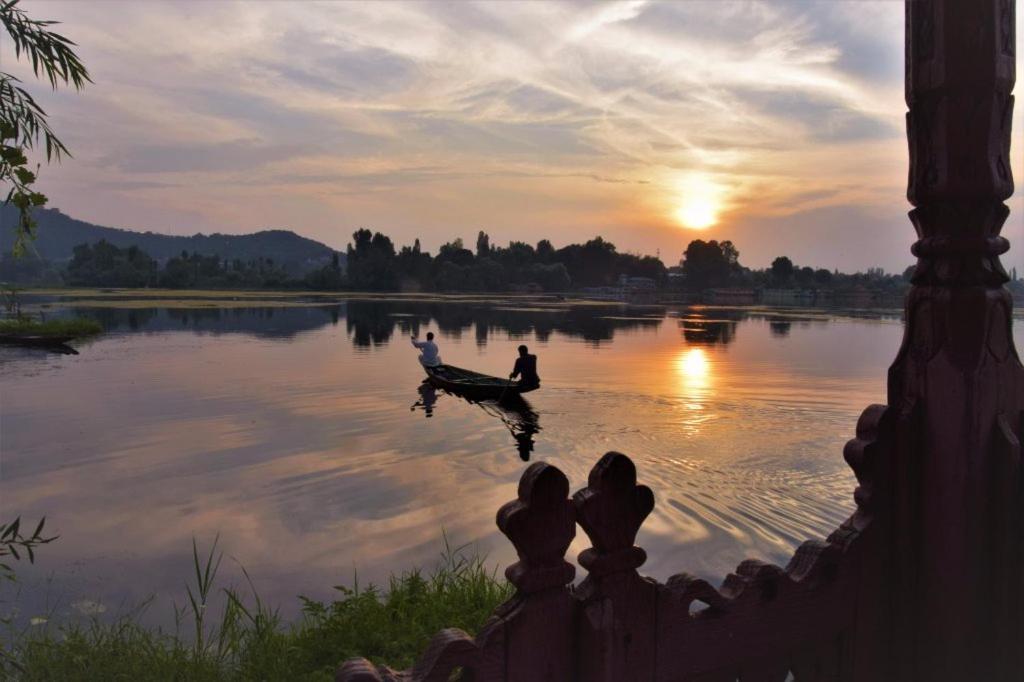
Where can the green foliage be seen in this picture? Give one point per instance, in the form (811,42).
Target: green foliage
(14,543)
(77,327)
(105,265)
(23,123)
(249,641)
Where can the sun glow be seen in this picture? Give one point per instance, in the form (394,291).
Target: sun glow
(700,201)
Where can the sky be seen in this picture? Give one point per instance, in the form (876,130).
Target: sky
(776,124)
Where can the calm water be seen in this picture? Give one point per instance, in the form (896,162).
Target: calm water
(302,436)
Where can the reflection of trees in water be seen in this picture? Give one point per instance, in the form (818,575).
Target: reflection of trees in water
(701,329)
(264,322)
(518,416)
(117,318)
(780,327)
(375,322)
(369,324)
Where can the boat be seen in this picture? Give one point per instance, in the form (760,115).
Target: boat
(474,385)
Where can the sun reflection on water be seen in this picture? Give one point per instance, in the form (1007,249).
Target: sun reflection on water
(694,374)
(694,369)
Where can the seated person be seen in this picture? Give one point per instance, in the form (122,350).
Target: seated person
(429,356)
(526,368)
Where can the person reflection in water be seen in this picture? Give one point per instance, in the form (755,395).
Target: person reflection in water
(428,396)
(429,356)
(526,369)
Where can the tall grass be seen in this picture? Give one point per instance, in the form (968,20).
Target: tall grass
(249,641)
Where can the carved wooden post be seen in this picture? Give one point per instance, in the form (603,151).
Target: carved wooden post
(537,623)
(529,637)
(959,603)
(617,635)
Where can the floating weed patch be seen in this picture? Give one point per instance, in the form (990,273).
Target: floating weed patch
(77,327)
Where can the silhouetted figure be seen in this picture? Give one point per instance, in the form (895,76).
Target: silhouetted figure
(526,368)
(429,356)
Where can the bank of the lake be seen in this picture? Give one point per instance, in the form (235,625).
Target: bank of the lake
(247,639)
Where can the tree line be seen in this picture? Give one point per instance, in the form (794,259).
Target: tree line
(373,263)
(713,265)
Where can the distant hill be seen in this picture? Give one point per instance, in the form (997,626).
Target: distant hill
(59,234)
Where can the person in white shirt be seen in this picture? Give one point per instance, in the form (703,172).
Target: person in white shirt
(429,356)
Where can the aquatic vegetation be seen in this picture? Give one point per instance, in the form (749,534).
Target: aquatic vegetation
(75,327)
(250,641)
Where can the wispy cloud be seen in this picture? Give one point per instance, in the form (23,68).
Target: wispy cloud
(547,119)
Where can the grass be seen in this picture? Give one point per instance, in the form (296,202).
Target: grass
(249,641)
(75,327)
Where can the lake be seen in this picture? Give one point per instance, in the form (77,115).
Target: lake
(299,432)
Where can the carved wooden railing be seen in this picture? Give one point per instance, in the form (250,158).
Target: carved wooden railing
(761,624)
(925,581)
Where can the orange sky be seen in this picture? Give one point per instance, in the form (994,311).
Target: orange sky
(778,125)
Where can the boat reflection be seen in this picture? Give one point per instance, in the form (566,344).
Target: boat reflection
(518,416)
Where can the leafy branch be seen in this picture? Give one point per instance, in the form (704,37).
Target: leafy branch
(23,122)
(13,543)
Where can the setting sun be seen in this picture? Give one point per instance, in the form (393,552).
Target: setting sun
(697,213)
(699,202)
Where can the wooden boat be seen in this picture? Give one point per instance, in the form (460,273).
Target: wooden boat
(474,385)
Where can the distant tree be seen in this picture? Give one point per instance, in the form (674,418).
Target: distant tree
(23,123)
(545,251)
(456,253)
(822,277)
(328,278)
(372,262)
(804,277)
(483,245)
(707,264)
(782,271)
(908,273)
(590,264)
(451,276)
(550,276)
(414,268)
(730,253)
(105,265)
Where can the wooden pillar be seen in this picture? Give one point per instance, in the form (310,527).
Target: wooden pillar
(958,380)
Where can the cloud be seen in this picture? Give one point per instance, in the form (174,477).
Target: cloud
(228,156)
(431,119)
